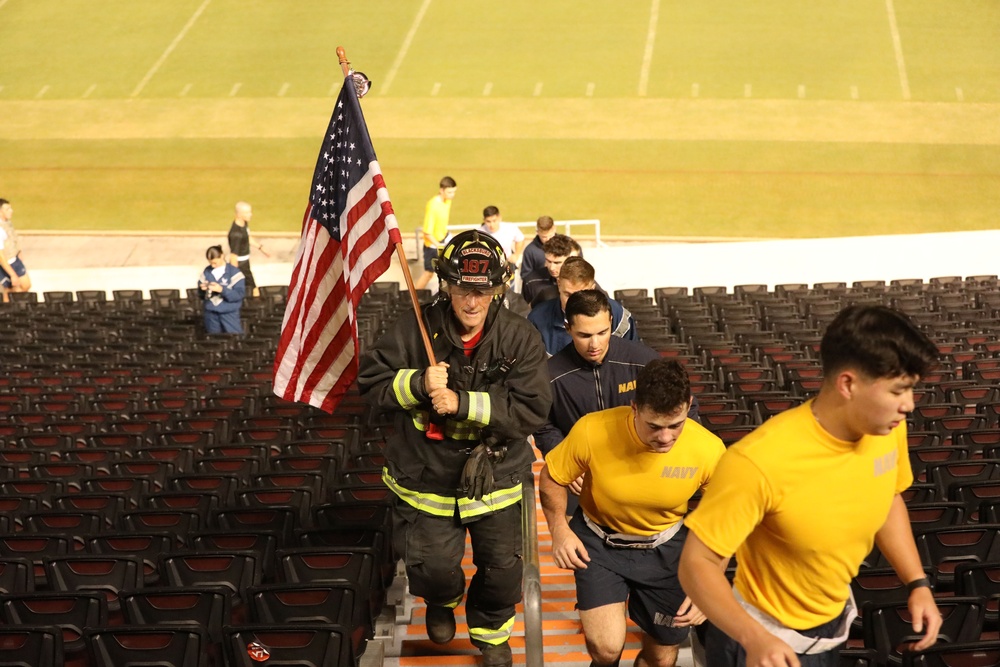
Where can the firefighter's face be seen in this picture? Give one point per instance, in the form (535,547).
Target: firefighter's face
(471,306)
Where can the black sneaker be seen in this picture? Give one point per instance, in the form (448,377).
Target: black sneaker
(440,623)
(497,656)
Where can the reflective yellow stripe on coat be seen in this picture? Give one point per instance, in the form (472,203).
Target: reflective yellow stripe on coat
(444,506)
(429,503)
(401,388)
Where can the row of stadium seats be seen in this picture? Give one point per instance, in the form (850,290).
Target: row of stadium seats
(161,506)
(168,458)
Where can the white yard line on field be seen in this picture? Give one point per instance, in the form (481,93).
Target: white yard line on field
(405,47)
(647,55)
(897,47)
(170,48)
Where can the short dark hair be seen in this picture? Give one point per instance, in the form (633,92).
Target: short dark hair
(213,252)
(586,302)
(447,182)
(545,223)
(876,340)
(3,201)
(490,211)
(662,386)
(559,245)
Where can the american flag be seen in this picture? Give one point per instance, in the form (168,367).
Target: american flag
(349,233)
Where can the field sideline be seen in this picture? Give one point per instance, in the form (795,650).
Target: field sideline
(656,117)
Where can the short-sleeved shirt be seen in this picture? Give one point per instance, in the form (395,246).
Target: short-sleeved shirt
(436,217)
(800,510)
(508,236)
(632,489)
(9,243)
(239,241)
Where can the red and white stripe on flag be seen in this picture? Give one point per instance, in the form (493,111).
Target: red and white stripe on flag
(317,358)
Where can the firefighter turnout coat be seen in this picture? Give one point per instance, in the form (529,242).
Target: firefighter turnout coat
(503,390)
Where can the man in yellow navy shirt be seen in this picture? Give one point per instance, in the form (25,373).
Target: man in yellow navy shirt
(645,461)
(801,500)
(435,228)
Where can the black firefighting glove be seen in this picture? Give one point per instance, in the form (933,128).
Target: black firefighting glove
(477,476)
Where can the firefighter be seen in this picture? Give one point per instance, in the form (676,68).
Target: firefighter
(459,451)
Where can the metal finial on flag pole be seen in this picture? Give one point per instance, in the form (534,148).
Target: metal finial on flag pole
(362,84)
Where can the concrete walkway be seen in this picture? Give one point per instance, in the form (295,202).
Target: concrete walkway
(71,262)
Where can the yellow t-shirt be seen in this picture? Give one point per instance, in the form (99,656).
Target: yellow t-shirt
(800,509)
(631,489)
(436,220)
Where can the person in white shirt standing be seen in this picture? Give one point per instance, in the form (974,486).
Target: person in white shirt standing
(508,235)
(13,274)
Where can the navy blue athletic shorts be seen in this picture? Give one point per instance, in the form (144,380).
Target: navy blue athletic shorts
(646,578)
(429,255)
(19,269)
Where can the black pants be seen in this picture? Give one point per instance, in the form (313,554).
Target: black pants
(250,283)
(432,549)
(723,651)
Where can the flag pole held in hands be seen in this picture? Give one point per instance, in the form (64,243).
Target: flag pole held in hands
(434,431)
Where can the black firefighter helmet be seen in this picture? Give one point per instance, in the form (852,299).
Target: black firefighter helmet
(474,260)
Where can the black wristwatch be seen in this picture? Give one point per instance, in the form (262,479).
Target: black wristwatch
(922,582)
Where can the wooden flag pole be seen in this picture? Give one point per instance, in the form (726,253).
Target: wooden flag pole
(345,65)
(434,431)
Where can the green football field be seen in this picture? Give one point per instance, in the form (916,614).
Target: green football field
(658,117)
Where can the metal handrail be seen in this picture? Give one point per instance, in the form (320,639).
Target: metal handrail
(418,236)
(534,649)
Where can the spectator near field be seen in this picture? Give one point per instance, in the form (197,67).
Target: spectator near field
(802,498)
(240,242)
(459,449)
(540,284)
(508,235)
(533,256)
(15,276)
(643,462)
(223,287)
(435,229)
(549,318)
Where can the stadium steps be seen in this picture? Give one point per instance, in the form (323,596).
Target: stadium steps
(404,643)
